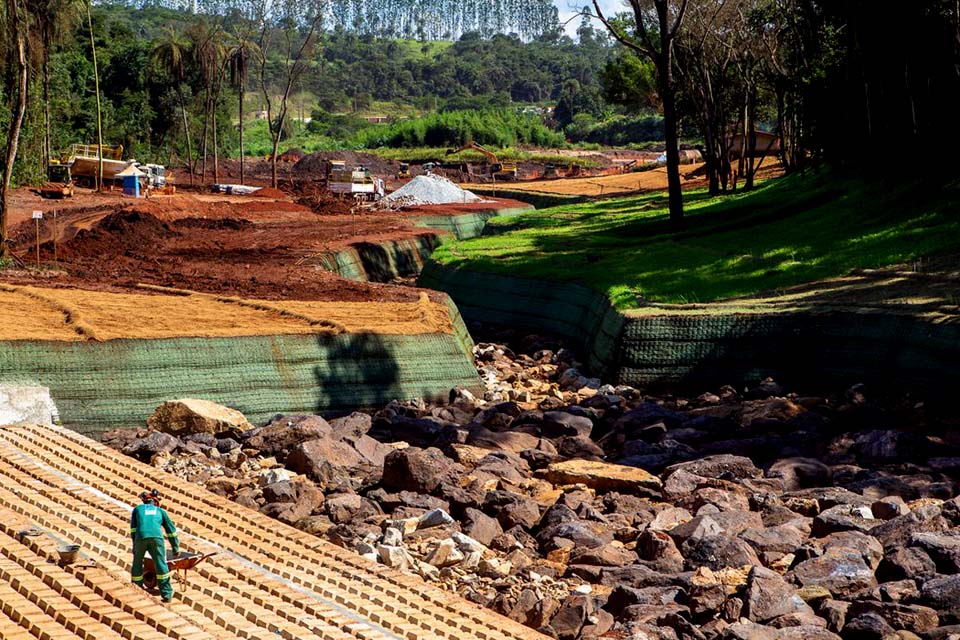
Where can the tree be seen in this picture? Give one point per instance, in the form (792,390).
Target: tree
(209,56)
(297,47)
(654,35)
(172,54)
(238,63)
(15,31)
(51,18)
(96,88)
(704,60)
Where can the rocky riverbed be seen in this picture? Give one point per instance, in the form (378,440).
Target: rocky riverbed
(586,510)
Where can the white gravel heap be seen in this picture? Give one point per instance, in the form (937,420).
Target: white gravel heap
(430,189)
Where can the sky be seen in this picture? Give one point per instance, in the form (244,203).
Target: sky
(569,8)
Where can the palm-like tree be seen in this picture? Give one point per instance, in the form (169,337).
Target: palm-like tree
(208,55)
(239,54)
(172,54)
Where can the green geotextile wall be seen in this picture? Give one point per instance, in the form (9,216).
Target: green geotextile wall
(118,383)
(804,347)
(384,261)
(381,261)
(468,225)
(568,310)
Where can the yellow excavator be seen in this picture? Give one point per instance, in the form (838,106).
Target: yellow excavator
(499,169)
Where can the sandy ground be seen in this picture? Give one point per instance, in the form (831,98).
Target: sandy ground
(622,184)
(31,313)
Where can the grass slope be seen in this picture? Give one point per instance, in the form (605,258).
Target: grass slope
(787,232)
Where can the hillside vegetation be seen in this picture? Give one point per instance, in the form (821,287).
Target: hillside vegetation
(789,231)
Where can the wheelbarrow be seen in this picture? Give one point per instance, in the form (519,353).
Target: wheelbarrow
(179,564)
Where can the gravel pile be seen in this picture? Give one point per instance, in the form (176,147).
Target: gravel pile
(430,189)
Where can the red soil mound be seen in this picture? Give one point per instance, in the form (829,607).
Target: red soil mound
(268,192)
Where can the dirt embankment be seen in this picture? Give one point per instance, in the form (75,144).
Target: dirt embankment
(237,246)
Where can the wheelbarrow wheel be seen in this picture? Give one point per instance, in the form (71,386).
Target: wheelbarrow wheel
(149,579)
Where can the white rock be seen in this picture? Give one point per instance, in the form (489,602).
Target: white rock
(430,189)
(270,476)
(471,560)
(468,544)
(22,404)
(445,554)
(394,557)
(393,537)
(434,518)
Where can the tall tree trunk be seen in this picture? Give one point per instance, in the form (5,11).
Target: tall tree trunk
(273,156)
(672,138)
(216,154)
(13,131)
(47,145)
(242,93)
(96,88)
(186,132)
(751,140)
(203,139)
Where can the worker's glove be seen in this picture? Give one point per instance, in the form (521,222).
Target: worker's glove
(176,549)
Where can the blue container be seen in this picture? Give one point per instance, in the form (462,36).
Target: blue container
(131,186)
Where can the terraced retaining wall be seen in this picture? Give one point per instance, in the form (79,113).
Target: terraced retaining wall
(805,347)
(390,259)
(98,386)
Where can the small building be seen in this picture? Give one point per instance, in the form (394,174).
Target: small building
(767,144)
(131,180)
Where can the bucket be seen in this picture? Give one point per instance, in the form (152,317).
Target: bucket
(68,553)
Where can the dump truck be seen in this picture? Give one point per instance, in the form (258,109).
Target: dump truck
(84,162)
(355,182)
(404,171)
(80,164)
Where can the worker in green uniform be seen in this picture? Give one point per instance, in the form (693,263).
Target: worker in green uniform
(149,525)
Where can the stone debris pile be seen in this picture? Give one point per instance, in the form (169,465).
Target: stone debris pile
(587,510)
(429,189)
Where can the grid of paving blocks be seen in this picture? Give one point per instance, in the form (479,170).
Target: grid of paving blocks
(267,580)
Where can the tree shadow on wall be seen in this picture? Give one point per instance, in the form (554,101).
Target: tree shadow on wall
(361,371)
(383,262)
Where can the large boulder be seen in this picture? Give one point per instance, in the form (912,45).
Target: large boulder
(285,432)
(941,593)
(768,596)
(292,501)
(191,415)
(419,470)
(603,477)
(723,466)
(841,571)
(146,448)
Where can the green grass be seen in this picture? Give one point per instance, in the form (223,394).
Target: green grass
(787,232)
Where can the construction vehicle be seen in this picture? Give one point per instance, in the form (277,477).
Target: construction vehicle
(84,162)
(81,164)
(156,178)
(356,182)
(59,182)
(505,170)
(404,172)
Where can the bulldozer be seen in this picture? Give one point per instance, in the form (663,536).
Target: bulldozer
(503,170)
(59,182)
